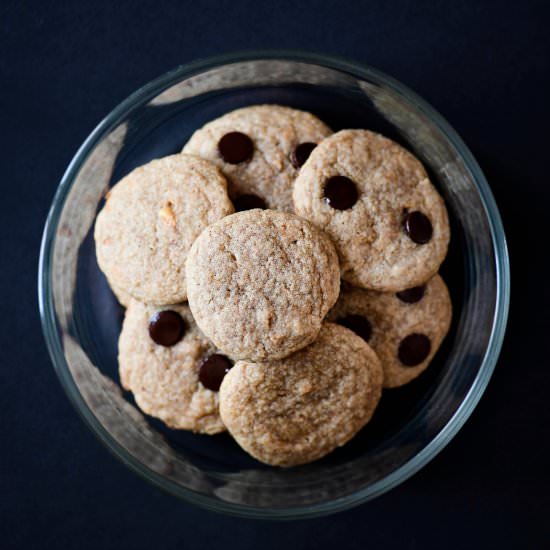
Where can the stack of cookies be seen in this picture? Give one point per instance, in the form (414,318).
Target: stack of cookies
(276,277)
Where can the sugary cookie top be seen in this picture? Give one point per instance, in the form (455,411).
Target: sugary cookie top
(150,220)
(387,221)
(260,282)
(260,149)
(298,409)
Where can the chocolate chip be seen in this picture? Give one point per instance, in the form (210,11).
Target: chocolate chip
(412,295)
(301,153)
(166,328)
(418,227)
(414,349)
(248,202)
(212,370)
(340,192)
(235,147)
(359,324)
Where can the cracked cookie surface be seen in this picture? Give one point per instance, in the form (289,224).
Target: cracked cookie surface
(375,200)
(260,283)
(149,221)
(269,169)
(296,410)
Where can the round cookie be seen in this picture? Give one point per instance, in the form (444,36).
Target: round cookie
(162,357)
(151,218)
(261,169)
(260,282)
(296,410)
(405,329)
(387,221)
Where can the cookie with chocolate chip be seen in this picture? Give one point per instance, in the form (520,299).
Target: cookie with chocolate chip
(405,328)
(260,149)
(172,369)
(296,410)
(260,282)
(386,219)
(150,220)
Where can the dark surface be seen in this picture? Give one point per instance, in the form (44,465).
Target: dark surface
(484,66)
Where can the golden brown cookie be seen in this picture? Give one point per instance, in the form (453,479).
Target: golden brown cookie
(260,149)
(375,200)
(260,283)
(149,222)
(405,329)
(296,410)
(172,369)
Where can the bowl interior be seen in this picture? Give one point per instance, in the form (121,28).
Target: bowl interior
(85,318)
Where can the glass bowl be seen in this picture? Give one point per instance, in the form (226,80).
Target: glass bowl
(81,318)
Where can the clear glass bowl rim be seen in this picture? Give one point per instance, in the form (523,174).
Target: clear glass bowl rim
(53,337)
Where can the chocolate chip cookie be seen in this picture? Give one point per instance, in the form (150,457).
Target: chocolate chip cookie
(151,218)
(386,219)
(405,329)
(298,409)
(260,149)
(260,282)
(172,369)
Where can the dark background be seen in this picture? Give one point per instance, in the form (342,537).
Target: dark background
(65,65)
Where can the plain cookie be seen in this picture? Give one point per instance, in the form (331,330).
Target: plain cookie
(260,149)
(386,219)
(297,410)
(150,220)
(405,329)
(260,283)
(162,354)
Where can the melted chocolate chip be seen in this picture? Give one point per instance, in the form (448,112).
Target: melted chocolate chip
(418,227)
(166,328)
(340,192)
(212,370)
(248,202)
(359,324)
(301,153)
(414,349)
(235,147)
(412,295)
